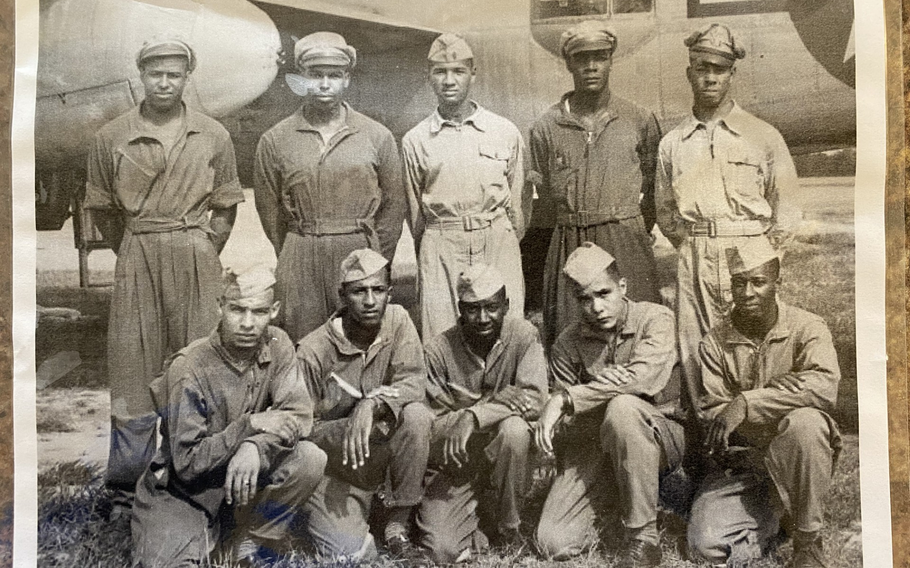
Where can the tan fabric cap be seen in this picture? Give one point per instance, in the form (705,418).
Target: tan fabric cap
(246,284)
(716,39)
(586,263)
(164,46)
(479,282)
(752,254)
(324,48)
(360,264)
(589,35)
(449,47)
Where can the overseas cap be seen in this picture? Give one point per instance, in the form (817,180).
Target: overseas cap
(716,39)
(589,35)
(324,48)
(360,264)
(248,283)
(163,46)
(449,47)
(586,263)
(479,282)
(752,254)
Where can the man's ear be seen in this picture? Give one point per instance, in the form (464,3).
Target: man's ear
(220,308)
(622,286)
(505,306)
(273,311)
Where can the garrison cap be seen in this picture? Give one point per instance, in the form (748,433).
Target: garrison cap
(751,254)
(164,46)
(449,47)
(589,35)
(324,48)
(716,39)
(360,264)
(247,283)
(586,263)
(479,282)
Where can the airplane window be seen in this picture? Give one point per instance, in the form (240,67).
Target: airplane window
(631,6)
(561,8)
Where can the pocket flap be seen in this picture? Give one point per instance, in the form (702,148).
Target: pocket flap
(494,153)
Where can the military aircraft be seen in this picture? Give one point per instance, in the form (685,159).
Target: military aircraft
(798,74)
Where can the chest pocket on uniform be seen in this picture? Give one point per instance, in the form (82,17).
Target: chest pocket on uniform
(494,167)
(134,182)
(745,174)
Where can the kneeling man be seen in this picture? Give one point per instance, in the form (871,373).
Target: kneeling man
(617,388)
(365,370)
(233,408)
(487,379)
(769,381)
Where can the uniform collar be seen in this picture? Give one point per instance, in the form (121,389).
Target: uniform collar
(566,118)
(301,123)
(780,330)
(629,325)
(734,121)
(344,345)
(139,128)
(263,357)
(478,119)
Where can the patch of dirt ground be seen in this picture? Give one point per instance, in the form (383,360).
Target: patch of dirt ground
(73,426)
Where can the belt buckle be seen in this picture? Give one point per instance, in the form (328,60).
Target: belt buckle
(712,229)
(582,218)
(467,223)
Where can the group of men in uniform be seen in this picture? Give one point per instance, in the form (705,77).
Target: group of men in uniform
(259,438)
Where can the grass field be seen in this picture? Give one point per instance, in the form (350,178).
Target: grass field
(818,275)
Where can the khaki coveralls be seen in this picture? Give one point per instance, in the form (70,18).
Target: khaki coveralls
(785,450)
(621,440)
(334,369)
(459,382)
(318,203)
(205,399)
(168,275)
(601,185)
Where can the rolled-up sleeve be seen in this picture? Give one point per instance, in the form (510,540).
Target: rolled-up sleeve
(99,180)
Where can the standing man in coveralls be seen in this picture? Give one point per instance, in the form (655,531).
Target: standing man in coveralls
(595,153)
(162,182)
(328,181)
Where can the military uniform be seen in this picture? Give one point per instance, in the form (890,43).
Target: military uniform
(718,185)
(784,451)
(320,201)
(469,203)
(205,399)
(630,426)
(335,370)
(460,381)
(168,274)
(600,179)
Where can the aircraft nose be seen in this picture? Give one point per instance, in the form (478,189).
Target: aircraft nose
(237,49)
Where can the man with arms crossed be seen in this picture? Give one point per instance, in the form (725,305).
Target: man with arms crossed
(595,153)
(233,408)
(769,377)
(465,176)
(723,178)
(162,183)
(616,384)
(365,371)
(328,181)
(487,379)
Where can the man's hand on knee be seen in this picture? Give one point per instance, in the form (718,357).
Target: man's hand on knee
(242,475)
(281,423)
(455,446)
(355,447)
(724,424)
(518,400)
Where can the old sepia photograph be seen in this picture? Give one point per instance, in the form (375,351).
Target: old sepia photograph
(480,282)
